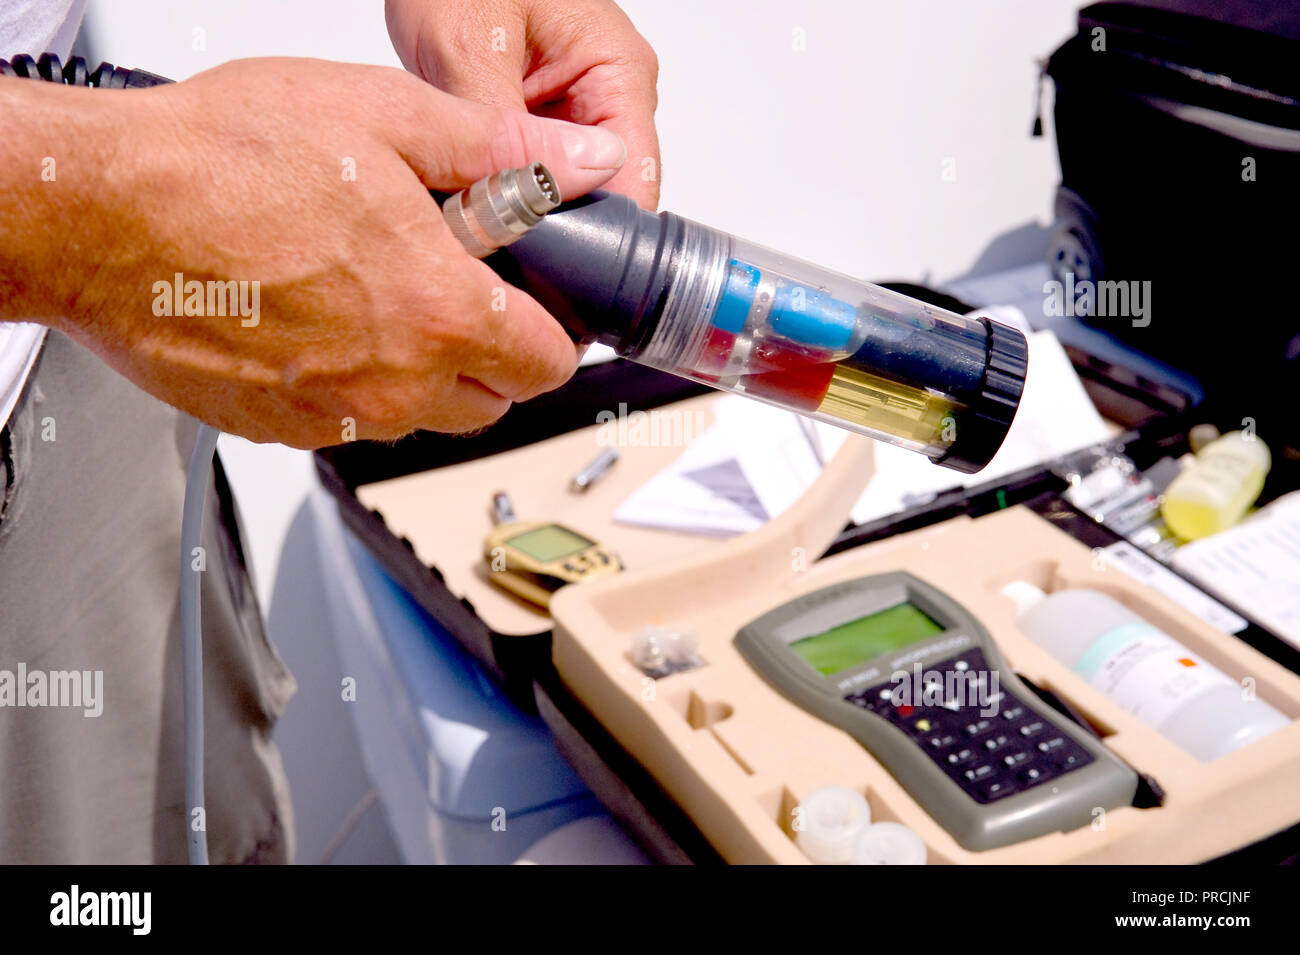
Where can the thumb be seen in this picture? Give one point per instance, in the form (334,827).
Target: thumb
(450,143)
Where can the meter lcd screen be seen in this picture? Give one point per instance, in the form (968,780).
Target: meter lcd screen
(865,638)
(552,542)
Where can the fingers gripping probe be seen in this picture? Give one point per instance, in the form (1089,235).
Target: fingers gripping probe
(488,215)
(491,214)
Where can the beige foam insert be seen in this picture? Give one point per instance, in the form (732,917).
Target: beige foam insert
(446,513)
(738,756)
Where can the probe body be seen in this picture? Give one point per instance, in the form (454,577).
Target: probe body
(697,302)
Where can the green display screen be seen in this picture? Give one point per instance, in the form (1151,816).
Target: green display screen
(860,640)
(545,544)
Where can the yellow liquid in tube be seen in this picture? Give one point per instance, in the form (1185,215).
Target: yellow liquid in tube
(861,398)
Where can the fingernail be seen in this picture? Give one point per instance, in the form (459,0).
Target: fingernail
(591,147)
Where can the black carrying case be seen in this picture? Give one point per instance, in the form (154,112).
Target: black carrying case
(522,664)
(1178,130)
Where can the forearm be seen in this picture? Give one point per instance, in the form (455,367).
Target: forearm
(57,145)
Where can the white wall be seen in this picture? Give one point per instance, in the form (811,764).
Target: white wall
(834,152)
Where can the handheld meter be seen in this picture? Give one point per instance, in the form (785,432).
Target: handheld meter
(915,678)
(533,559)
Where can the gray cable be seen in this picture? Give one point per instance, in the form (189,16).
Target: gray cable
(196,492)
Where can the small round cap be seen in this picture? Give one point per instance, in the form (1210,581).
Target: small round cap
(889,843)
(1024,594)
(831,820)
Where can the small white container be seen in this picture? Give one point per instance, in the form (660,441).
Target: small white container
(889,843)
(829,822)
(1146,671)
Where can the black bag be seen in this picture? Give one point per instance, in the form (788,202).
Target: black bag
(1178,130)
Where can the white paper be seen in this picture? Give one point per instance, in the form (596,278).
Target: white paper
(752,464)
(1148,570)
(774,450)
(673,501)
(1255,566)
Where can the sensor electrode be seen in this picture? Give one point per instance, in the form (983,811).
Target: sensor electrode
(670,293)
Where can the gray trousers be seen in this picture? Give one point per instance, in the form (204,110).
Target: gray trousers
(89,546)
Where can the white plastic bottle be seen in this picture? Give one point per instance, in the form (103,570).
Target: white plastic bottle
(1144,670)
(1216,488)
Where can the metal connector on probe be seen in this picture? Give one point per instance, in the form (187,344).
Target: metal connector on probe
(498,210)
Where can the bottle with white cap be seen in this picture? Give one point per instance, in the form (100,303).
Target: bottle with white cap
(829,822)
(1146,671)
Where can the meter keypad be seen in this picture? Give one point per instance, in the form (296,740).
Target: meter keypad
(989,757)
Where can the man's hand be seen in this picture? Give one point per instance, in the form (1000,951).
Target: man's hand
(579,60)
(309,179)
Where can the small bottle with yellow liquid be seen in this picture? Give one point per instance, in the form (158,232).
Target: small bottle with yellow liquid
(1215,490)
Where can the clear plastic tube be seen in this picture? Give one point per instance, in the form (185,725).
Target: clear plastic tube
(696,302)
(789,333)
